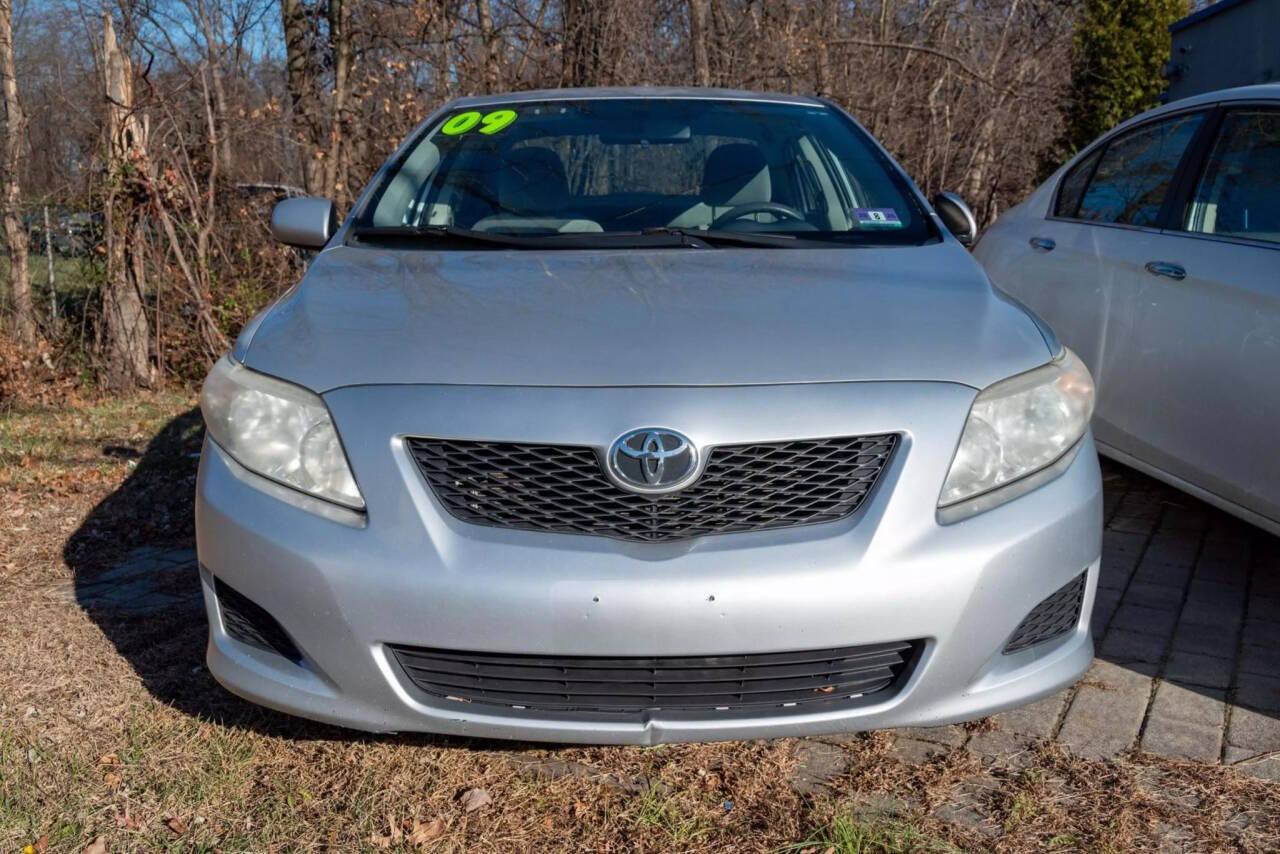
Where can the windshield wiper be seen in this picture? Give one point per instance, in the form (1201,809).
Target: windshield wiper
(719,237)
(497,239)
(442,232)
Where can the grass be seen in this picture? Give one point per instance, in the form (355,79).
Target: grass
(111,727)
(852,834)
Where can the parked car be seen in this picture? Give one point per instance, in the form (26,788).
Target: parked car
(1155,255)
(645,415)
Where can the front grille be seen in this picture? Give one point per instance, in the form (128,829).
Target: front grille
(248,622)
(783,680)
(1056,615)
(562,488)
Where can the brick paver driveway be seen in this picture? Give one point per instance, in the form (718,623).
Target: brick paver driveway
(1187,628)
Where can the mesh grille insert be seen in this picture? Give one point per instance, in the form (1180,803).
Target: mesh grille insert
(563,488)
(248,622)
(1056,615)
(633,685)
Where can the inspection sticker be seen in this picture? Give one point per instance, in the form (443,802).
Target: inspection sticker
(882,217)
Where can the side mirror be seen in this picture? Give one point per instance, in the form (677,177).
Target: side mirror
(307,223)
(957,217)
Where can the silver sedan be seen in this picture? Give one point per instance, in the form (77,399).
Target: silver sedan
(631,416)
(1155,254)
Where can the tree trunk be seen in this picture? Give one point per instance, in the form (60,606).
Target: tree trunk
(584,23)
(489,36)
(12,125)
(124,321)
(698,38)
(340,40)
(300,81)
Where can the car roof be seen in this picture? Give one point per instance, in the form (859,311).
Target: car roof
(605,92)
(1260,92)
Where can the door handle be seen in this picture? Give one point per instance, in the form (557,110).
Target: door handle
(1164,268)
(1044,244)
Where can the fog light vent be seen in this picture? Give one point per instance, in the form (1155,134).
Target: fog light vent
(249,623)
(1055,616)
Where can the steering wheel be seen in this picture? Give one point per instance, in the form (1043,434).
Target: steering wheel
(739,211)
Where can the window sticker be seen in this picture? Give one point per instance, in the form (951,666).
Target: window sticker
(489,123)
(877,217)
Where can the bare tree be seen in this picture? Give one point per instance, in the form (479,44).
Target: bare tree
(124,321)
(12,128)
(698,40)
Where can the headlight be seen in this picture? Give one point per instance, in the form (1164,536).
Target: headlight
(278,430)
(1019,426)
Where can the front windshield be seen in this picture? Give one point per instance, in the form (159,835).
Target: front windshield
(631,165)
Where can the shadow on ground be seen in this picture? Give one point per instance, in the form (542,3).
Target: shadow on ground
(134,570)
(1187,594)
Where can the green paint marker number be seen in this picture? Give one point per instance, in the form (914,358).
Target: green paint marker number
(490,122)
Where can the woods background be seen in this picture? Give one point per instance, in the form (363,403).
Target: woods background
(142,144)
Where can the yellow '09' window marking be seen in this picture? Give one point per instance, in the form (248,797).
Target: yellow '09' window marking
(489,122)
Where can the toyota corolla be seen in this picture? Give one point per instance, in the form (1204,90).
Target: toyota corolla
(630,416)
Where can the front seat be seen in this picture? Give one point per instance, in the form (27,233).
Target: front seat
(533,192)
(735,173)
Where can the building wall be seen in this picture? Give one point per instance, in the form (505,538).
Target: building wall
(1230,43)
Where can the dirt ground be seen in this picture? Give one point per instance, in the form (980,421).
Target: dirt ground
(113,736)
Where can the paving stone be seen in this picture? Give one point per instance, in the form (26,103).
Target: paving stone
(967,807)
(1006,749)
(1151,621)
(1223,572)
(952,736)
(1113,577)
(1261,633)
(1205,639)
(1264,769)
(1126,647)
(1162,573)
(1150,595)
(872,804)
(1185,723)
(1132,523)
(1259,660)
(1189,517)
(1249,762)
(1226,617)
(1172,548)
(1035,720)
(1107,711)
(916,752)
(817,764)
(1163,787)
(1190,668)
(1252,731)
(1202,590)
(1259,692)
(1264,606)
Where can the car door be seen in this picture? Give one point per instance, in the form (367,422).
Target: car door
(1205,348)
(1079,264)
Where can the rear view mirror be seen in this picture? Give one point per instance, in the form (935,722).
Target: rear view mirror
(306,222)
(956,216)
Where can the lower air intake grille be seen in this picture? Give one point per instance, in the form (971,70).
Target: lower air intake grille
(1056,615)
(562,488)
(249,623)
(782,680)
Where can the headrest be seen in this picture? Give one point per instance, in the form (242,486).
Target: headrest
(533,182)
(736,174)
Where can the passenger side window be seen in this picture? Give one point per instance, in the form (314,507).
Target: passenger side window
(1239,193)
(1071,190)
(1135,172)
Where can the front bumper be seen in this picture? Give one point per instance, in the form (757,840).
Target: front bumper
(344,586)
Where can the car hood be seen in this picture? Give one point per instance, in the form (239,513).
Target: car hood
(648,317)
